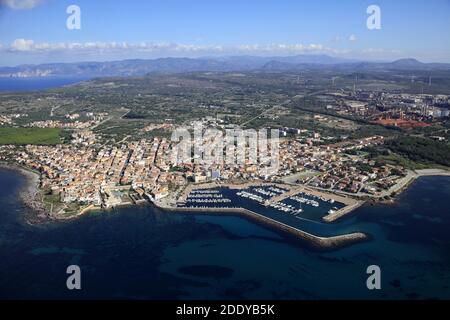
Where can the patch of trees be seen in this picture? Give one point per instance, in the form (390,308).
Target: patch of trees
(134,115)
(421,149)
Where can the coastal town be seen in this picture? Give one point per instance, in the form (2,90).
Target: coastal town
(86,175)
(301,151)
(218,158)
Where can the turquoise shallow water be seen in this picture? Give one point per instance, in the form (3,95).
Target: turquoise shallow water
(144,253)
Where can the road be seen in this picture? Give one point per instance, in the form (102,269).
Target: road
(277,106)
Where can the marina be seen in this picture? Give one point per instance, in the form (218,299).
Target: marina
(203,235)
(286,208)
(209,196)
(296,206)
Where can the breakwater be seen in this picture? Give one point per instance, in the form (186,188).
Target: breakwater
(235,186)
(332,217)
(292,189)
(313,241)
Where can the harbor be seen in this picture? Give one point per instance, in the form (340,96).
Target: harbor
(319,243)
(299,211)
(230,239)
(296,200)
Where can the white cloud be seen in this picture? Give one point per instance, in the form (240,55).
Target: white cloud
(352,38)
(21,4)
(119,50)
(22,45)
(381,51)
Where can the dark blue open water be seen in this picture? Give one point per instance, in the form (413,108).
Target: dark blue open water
(143,253)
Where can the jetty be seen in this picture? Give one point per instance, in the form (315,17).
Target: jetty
(313,241)
(290,190)
(350,203)
(235,186)
(338,214)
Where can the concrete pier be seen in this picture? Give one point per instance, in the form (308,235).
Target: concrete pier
(313,241)
(293,190)
(332,217)
(350,203)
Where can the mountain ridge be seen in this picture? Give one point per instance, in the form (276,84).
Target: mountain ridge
(141,67)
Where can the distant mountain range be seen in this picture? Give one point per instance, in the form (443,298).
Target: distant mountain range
(402,64)
(139,67)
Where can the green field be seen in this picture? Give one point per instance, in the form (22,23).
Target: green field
(22,136)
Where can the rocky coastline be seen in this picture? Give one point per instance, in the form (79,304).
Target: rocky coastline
(29,194)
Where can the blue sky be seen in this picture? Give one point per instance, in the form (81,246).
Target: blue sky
(34,31)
